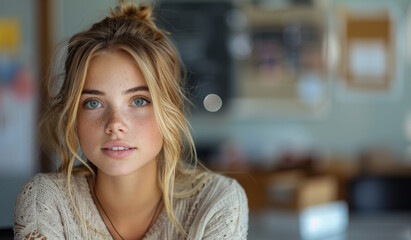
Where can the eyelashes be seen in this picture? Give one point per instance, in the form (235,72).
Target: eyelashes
(138,101)
(92,104)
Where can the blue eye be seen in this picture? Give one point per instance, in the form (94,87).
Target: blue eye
(92,104)
(139,102)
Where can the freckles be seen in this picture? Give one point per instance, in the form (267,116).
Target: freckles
(146,129)
(97,122)
(141,119)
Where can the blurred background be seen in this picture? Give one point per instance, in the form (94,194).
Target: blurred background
(305,102)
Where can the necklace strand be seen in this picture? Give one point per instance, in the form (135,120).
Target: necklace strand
(111,223)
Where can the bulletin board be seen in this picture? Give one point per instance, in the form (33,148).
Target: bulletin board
(367,48)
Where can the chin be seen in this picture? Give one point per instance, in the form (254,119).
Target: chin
(116,172)
(118,169)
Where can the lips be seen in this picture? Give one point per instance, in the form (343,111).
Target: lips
(116,144)
(117,149)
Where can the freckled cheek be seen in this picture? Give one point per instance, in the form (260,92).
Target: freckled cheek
(147,131)
(88,122)
(87,130)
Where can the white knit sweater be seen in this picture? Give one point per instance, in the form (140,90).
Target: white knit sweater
(217,211)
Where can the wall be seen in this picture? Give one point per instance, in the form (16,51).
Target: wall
(18,155)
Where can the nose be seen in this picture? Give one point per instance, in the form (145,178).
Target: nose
(116,123)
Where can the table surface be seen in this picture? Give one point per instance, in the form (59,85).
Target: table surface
(271,225)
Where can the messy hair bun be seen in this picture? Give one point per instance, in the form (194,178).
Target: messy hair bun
(125,9)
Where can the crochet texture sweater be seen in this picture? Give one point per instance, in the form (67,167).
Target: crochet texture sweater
(218,210)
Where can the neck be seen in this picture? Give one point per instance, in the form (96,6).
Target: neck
(124,197)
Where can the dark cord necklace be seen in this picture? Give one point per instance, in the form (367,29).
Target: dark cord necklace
(111,223)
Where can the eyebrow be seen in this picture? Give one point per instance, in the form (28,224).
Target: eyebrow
(128,91)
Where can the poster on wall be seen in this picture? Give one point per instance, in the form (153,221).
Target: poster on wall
(367,49)
(17,103)
(370,37)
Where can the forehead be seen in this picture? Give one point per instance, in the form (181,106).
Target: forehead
(113,66)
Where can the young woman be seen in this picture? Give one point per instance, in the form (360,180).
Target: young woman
(119,112)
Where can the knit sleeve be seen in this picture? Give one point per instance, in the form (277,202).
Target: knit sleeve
(230,216)
(36,215)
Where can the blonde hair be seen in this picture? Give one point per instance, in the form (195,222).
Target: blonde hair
(129,28)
